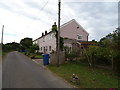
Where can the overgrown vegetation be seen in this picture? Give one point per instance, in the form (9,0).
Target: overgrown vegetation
(26,43)
(29,48)
(100,79)
(10,47)
(25,46)
(54,29)
(71,55)
(106,52)
(96,55)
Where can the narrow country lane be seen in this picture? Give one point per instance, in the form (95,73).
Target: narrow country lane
(21,72)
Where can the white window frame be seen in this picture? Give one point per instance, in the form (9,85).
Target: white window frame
(46,48)
(79,36)
(41,48)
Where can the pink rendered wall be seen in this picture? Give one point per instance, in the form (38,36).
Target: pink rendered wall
(71,31)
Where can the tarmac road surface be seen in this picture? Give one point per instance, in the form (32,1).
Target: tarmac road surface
(21,72)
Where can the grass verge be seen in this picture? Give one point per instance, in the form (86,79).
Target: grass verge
(100,78)
(33,56)
(4,54)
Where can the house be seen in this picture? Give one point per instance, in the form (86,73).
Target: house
(47,42)
(73,30)
(70,31)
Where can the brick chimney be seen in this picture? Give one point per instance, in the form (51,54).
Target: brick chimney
(54,24)
(45,32)
(42,34)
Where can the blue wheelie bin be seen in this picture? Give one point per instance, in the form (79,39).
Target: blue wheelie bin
(45,59)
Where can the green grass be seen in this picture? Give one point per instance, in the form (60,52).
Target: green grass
(38,56)
(100,78)
(4,54)
(33,56)
(0,54)
(22,52)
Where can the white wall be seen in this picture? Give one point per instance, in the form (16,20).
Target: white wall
(46,42)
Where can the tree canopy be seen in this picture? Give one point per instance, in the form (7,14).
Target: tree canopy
(11,46)
(26,43)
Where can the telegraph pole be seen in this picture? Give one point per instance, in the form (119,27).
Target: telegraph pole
(2,35)
(58,51)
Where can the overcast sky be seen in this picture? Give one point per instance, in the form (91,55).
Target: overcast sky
(29,18)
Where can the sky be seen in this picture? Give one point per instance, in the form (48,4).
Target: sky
(29,18)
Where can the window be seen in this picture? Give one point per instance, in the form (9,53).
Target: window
(41,48)
(46,48)
(79,37)
(49,48)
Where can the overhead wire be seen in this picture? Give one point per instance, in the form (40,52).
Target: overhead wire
(31,21)
(41,9)
(38,13)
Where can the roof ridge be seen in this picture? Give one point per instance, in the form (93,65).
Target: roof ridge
(75,22)
(67,23)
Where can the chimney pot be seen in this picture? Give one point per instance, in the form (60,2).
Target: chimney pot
(42,34)
(54,23)
(45,32)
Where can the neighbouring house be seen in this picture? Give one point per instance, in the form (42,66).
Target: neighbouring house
(72,32)
(47,42)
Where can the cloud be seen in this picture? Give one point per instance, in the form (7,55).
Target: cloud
(28,18)
(34,5)
(98,18)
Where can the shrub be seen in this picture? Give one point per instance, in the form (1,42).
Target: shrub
(71,54)
(98,55)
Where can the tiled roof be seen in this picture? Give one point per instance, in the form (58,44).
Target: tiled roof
(43,36)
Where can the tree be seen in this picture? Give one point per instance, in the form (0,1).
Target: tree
(33,48)
(116,51)
(11,46)
(94,41)
(97,55)
(26,43)
(112,42)
(116,39)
